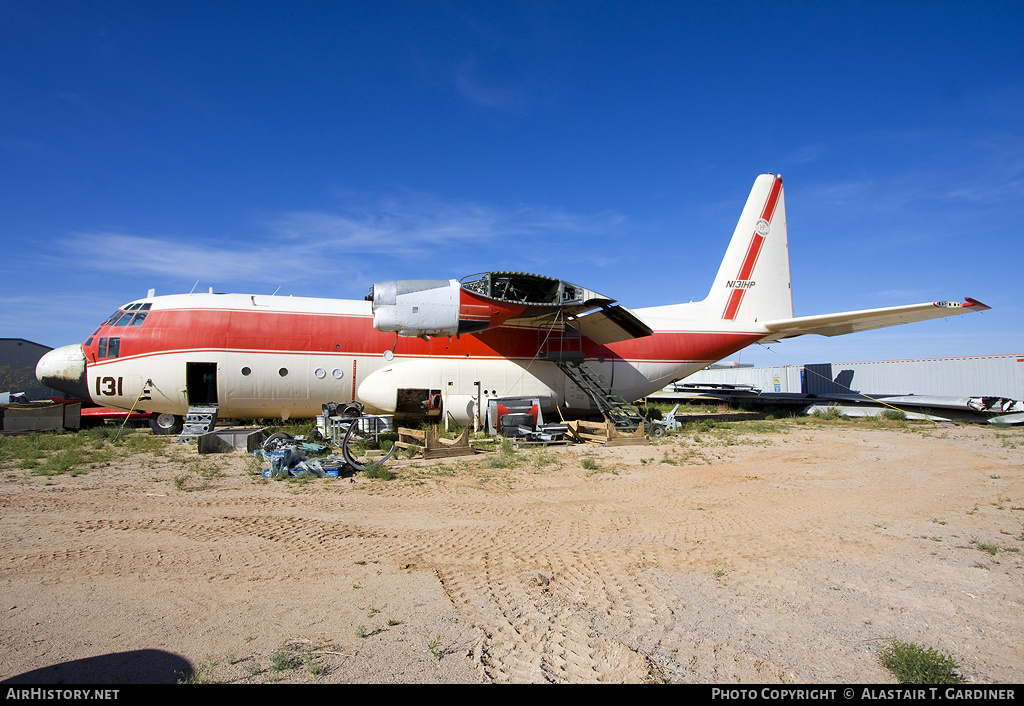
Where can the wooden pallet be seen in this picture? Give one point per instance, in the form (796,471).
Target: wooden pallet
(432,445)
(604,433)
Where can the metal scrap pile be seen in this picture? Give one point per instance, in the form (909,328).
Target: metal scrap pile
(296,456)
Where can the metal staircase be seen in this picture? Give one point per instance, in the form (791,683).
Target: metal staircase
(564,348)
(201,419)
(623,415)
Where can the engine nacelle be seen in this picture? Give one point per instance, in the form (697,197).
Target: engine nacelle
(417,307)
(431,307)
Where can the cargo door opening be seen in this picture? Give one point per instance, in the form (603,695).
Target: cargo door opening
(201,383)
(419,403)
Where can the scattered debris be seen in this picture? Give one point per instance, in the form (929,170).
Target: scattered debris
(855,411)
(349,430)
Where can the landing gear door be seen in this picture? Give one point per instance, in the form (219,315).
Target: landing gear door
(201,383)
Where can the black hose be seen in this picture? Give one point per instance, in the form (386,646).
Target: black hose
(349,458)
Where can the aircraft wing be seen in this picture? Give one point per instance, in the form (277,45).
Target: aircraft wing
(853,321)
(491,299)
(611,324)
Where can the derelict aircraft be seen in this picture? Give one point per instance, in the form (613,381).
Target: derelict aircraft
(416,346)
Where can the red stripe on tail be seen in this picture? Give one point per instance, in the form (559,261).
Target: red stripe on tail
(732,306)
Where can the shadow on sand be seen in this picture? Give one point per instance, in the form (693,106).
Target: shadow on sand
(136,667)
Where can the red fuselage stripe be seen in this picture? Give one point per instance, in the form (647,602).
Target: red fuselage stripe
(181,330)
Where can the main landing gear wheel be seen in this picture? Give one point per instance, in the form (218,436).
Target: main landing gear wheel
(166,424)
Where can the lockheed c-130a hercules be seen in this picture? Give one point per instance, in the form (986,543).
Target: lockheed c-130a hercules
(417,345)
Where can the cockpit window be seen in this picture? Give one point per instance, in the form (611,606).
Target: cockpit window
(108,348)
(130,315)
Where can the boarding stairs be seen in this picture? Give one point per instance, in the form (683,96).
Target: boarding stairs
(200,419)
(623,415)
(564,348)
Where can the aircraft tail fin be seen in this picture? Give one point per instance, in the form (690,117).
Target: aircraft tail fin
(753,282)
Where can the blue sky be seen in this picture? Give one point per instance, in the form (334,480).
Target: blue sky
(313,148)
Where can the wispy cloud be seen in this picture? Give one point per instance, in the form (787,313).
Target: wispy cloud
(473,86)
(40,316)
(945,166)
(414,224)
(173,258)
(418,231)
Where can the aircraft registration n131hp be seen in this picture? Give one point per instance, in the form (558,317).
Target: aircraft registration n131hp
(414,345)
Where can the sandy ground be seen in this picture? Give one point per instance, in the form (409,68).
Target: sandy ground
(780,556)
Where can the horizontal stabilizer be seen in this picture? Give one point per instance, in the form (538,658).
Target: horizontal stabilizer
(866,320)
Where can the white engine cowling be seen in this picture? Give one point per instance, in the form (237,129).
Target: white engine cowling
(417,307)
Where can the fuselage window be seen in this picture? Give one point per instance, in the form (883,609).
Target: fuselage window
(283,372)
(246,371)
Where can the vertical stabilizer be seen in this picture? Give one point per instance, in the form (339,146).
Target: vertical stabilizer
(753,282)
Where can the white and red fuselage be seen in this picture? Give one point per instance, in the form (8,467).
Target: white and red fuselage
(418,343)
(287,356)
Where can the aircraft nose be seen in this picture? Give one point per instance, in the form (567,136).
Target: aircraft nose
(64,369)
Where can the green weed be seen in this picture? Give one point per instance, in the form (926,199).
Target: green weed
(829,413)
(507,457)
(202,674)
(913,664)
(541,459)
(377,470)
(434,645)
(986,547)
(282,660)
